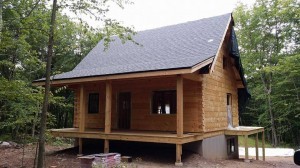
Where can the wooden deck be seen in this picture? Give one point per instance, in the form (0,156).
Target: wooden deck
(129,135)
(244,130)
(247,131)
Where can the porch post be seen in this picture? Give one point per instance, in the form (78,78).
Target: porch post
(246,148)
(107,128)
(179,88)
(82,110)
(82,117)
(179,106)
(256,146)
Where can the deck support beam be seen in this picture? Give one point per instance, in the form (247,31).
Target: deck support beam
(256,146)
(79,146)
(107,129)
(246,148)
(263,146)
(106,146)
(178,155)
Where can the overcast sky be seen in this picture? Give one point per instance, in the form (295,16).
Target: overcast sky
(147,14)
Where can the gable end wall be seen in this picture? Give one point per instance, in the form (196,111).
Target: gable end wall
(215,88)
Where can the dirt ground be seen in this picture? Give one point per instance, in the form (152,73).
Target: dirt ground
(143,156)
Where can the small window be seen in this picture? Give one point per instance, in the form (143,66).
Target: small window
(225,62)
(228,99)
(231,145)
(164,102)
(93,106)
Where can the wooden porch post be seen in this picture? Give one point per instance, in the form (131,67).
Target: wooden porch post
(80,146)
(179,87)
(82,117)
(179,106)
(178,155)
(82,109)
(263,146)
(107,128)
(256,146)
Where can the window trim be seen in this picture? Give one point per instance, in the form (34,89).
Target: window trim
(151,102)
(88,102)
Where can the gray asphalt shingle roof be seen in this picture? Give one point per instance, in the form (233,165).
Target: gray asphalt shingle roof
(171,47)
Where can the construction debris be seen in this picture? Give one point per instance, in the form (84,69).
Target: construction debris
(107,160)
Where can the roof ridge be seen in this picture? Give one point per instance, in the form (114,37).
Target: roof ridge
(187,22)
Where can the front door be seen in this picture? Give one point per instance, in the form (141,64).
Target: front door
(124,110)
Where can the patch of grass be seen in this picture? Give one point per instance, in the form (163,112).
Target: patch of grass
(58,141)
(251,142)
(5,137)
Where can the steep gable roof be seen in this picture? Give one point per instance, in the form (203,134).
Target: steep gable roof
(172,47)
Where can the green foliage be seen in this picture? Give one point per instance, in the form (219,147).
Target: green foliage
(23,49)
(268,34)
(18,105)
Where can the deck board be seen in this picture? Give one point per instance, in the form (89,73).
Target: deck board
(243,130)
(129,135)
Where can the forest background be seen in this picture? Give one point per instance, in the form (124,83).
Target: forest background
(269,40)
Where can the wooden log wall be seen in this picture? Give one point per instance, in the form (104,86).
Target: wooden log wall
(141,96)
(216,86)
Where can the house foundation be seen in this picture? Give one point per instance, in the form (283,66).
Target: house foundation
(217,147)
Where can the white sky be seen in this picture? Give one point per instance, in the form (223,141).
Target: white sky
(148,14)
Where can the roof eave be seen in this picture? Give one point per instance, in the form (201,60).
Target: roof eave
(68,81)
(178,71)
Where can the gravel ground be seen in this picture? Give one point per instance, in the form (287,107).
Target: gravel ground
(143,156)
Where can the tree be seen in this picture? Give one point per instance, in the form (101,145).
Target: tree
(267,33)
(43,122)
(1,21)
(111,28)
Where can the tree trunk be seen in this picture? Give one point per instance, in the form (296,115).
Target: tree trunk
(66,119)
(1,21)
(41,151)
(34,122)
(274,134)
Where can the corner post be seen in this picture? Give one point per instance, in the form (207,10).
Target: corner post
(107,128)
(82,117)
(256,146)
(179,89)
(246,148)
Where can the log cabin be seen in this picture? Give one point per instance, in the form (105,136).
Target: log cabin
(183,85)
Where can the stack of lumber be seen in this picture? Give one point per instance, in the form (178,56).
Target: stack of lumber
(107,160)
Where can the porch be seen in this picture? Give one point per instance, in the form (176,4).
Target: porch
(142,110)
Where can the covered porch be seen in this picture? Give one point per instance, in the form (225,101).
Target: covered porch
(141,123)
